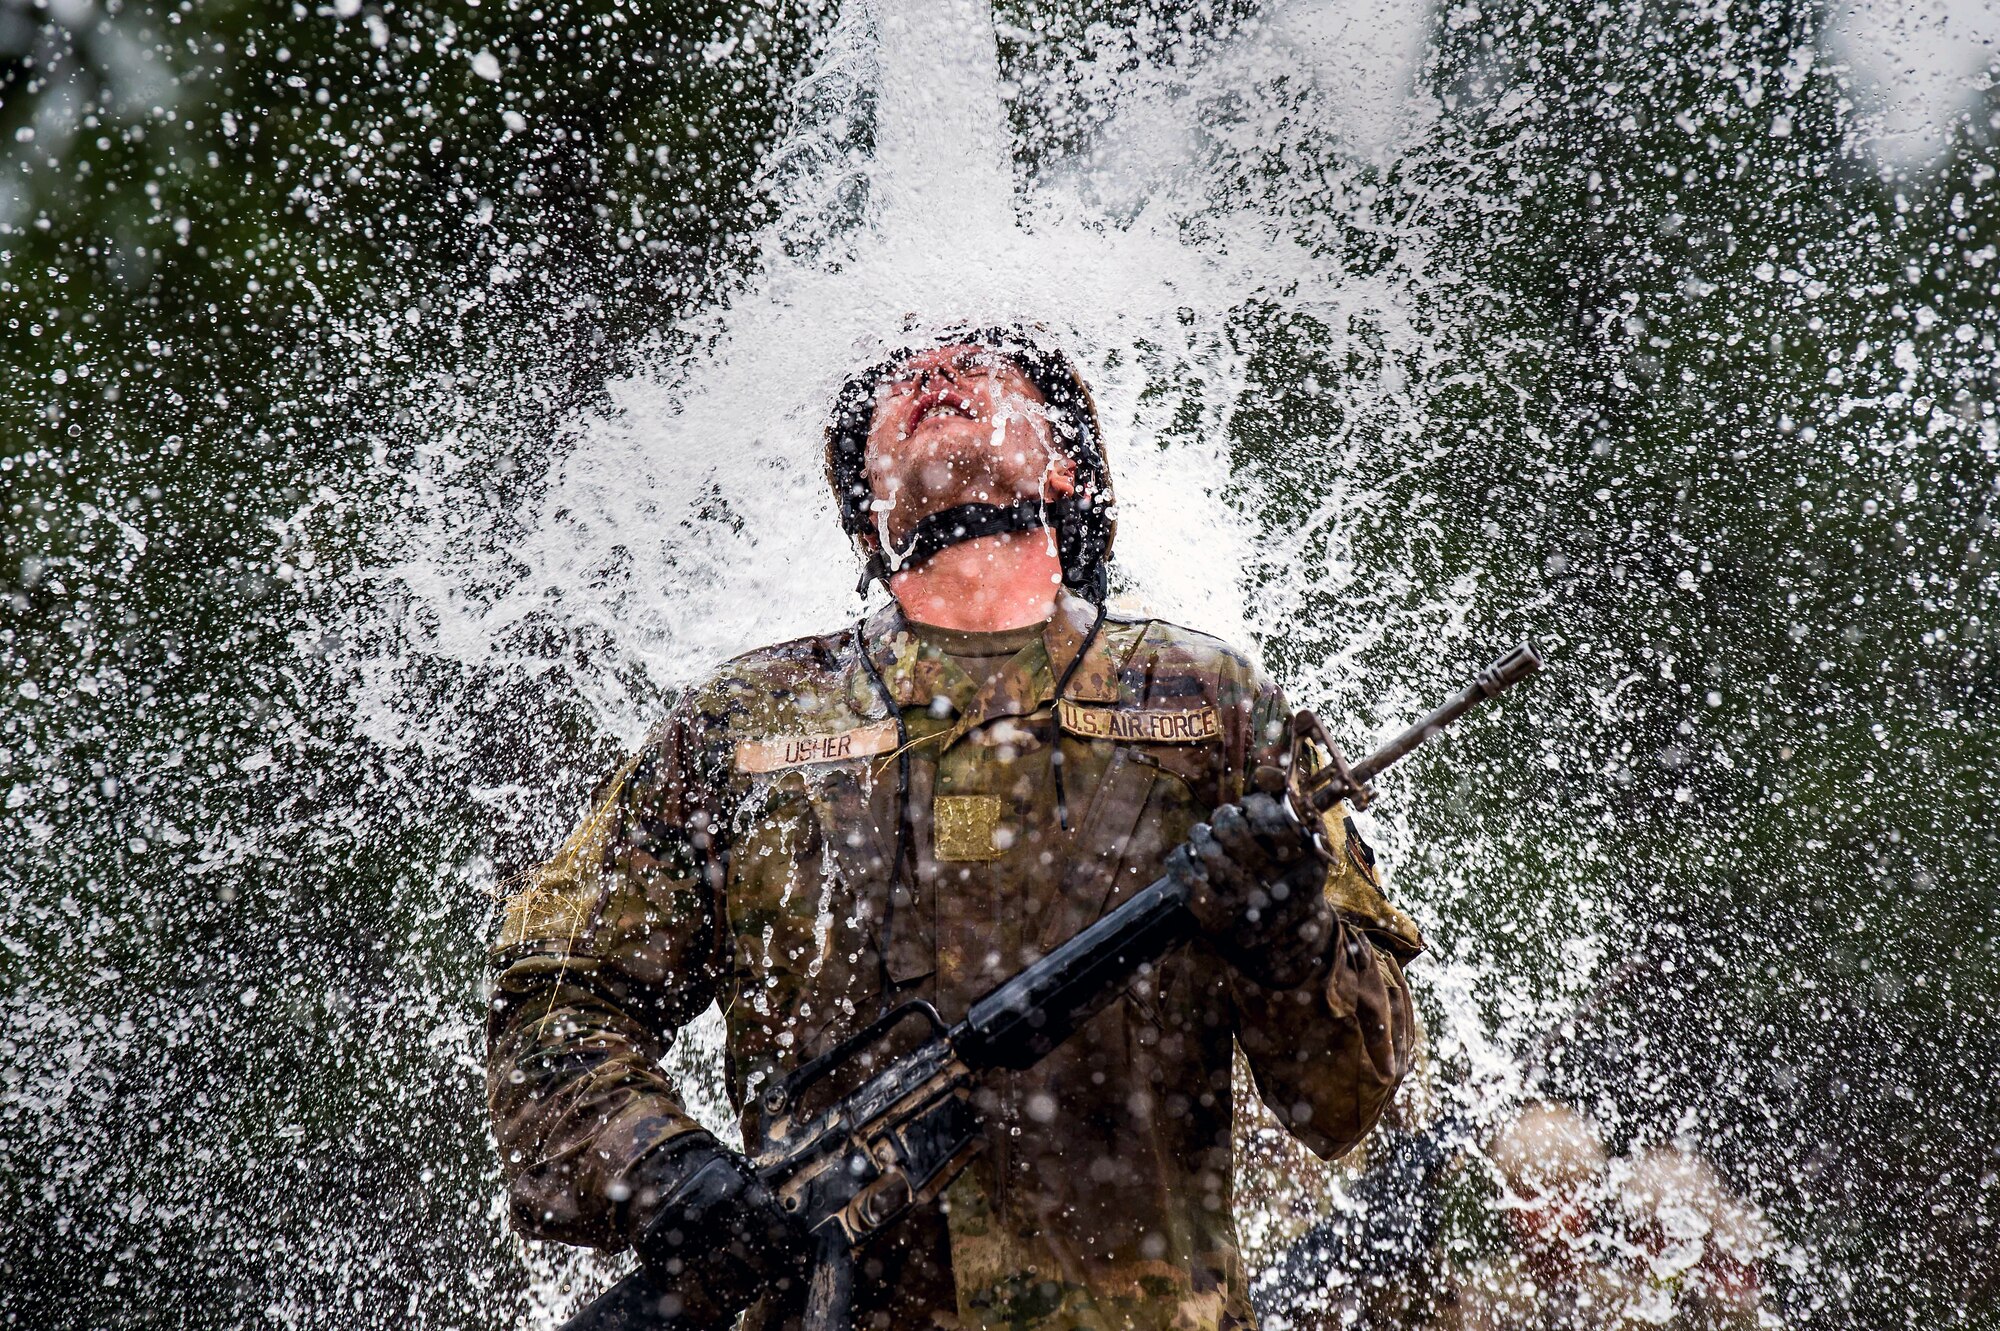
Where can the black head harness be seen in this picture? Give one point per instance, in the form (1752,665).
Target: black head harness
(1084,522)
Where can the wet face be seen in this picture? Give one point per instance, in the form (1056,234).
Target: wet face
(959,425)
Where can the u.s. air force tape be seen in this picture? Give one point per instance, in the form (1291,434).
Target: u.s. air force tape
(779,752)
(1170,725)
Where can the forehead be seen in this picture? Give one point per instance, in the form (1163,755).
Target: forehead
(963,357)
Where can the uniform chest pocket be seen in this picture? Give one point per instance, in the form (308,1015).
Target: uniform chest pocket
(1195,772)
(1173,804)
(1140,808)
(801,874)
(775,855)
(774,829)
(856,816)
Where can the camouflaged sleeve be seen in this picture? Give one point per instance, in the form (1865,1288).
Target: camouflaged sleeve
(602,954)
(1327,1058)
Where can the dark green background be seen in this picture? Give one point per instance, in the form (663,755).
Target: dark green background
(248,249)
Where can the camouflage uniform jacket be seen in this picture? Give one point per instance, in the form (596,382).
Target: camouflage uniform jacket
(837,823)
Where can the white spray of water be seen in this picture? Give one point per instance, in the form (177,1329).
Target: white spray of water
(1915,69)
(692,519)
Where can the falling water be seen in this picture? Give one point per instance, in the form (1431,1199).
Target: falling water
(1720,879)
(691,521)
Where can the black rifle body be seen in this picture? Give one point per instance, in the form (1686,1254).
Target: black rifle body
(896,1140)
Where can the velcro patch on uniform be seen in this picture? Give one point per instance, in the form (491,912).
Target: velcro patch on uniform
(1166,725)
(963,827)
(782,751)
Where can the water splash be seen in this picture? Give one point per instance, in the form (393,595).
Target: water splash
(1597,325)
(691,520)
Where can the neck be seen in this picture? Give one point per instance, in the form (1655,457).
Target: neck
(985,585)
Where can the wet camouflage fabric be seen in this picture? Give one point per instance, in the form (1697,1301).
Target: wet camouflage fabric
(752,854)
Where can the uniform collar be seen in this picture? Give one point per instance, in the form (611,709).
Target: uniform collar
(1077,627)
(916,674)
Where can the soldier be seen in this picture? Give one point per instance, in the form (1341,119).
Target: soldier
(917,806)
(1552,1159)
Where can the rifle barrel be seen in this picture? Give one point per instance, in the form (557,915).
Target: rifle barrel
(1503,674)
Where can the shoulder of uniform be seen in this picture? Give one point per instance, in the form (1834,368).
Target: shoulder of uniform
(781,684)
(832,650)
(1162,644)
(780,667)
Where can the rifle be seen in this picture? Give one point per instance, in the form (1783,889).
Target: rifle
(896,1140)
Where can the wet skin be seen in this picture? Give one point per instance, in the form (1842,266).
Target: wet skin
(960,425)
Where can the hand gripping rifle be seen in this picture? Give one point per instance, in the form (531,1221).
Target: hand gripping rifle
(898,1138)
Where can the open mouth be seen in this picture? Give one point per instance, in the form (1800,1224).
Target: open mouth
(941,402)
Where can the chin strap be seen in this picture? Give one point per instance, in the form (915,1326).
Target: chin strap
(965,522)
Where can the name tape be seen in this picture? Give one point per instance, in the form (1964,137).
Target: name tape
(1176,725)
(779,752)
